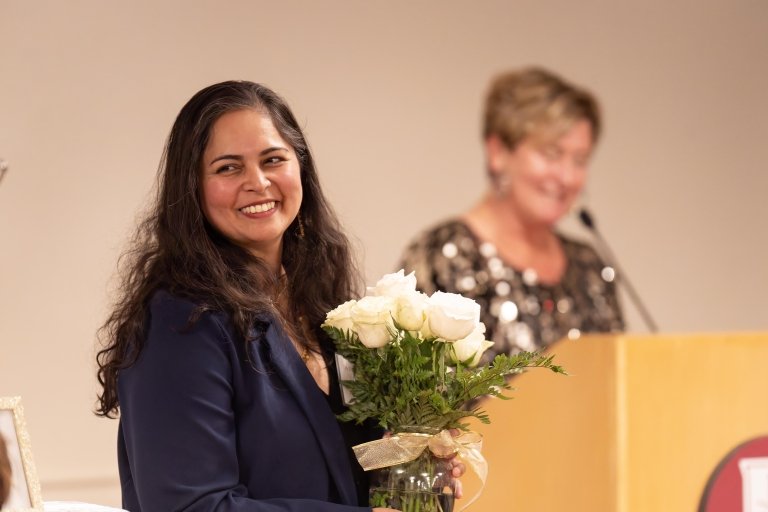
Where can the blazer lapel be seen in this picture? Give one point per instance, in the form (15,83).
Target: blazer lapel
(319,415)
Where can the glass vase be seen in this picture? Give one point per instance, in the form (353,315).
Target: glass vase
(424,484)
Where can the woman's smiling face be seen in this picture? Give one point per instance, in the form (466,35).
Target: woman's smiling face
(545,175)
(251,182)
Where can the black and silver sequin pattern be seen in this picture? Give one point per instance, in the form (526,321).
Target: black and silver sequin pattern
(519,312)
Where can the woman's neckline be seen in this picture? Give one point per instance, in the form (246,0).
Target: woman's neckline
(530,275)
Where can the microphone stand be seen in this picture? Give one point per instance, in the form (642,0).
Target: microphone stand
(589,223)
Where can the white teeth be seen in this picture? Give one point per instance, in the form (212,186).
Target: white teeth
(554,193)
(258,208)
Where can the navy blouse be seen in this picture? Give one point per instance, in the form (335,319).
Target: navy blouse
(208,424)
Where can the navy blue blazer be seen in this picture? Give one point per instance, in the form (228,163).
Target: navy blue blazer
(203,427)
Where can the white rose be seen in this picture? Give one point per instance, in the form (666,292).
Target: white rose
(372,318)
(471,347)
(395,284)
(409,310)
(425,331)
(340,317)
(373,335)
(452,316)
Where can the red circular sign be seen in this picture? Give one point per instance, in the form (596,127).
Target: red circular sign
(724,490)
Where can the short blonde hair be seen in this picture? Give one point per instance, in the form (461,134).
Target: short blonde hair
(522,102)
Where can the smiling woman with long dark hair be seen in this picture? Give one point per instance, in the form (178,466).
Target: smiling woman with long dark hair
(213,357)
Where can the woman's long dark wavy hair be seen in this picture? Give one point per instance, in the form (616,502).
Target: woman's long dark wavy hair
(176,249)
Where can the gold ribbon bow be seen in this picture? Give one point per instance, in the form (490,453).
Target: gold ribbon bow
(405,447)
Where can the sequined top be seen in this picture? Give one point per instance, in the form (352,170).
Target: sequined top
(519,312)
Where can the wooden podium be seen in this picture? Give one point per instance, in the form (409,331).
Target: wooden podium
(639,425)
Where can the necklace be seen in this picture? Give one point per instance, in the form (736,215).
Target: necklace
(312,357)
(304,353)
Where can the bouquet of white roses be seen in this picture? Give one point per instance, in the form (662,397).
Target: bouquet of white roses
(416,358)
(416,369)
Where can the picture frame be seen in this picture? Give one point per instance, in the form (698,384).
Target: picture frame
(25,494)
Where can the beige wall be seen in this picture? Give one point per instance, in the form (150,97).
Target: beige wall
(389,93)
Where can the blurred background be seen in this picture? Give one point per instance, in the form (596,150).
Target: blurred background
(390,96)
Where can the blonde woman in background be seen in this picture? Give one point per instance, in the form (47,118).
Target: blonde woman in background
(534,284)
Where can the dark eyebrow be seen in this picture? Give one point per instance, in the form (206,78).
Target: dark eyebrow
(239,157)
(225,157)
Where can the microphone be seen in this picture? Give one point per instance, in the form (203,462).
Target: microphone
(589,223)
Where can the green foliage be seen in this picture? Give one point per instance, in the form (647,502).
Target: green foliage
(410,381)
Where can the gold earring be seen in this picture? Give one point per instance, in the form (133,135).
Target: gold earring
(301,227)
